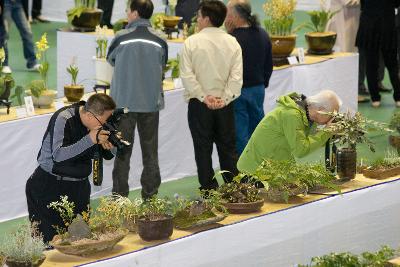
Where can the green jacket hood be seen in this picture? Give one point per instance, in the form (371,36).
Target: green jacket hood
(289,101)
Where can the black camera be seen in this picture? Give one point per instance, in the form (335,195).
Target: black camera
(110,126)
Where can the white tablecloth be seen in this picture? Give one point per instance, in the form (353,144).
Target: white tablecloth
(21,139)
(82,46)
(358,221)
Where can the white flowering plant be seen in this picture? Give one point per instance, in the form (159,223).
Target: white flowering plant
(101,41)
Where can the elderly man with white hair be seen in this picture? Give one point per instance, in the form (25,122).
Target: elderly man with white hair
(289,130)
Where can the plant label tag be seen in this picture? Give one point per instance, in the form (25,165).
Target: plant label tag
(300,51)
(21,112)
(178,83)
(292,60)
(58,104)
(30,110)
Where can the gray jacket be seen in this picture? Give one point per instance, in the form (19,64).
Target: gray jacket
(139,57)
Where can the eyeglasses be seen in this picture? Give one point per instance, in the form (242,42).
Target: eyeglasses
(101,123)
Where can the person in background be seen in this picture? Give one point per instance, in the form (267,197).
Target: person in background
(13,11)
(36,12)
(65,160)
(139,57)
(211,71)
(377,35)
(256,47)
(107,7)
(187,10)
(289,131)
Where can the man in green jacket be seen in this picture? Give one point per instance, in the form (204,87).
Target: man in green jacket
(289,130)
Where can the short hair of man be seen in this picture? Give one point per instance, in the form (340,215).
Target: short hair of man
(143,7)
(99,103)
(325,99)
(215,10)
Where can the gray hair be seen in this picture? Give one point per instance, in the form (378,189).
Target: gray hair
(326,100)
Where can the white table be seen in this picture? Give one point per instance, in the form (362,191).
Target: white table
(358,221)
(82,46)
(21,139)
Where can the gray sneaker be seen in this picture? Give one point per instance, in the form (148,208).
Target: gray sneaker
(34,67)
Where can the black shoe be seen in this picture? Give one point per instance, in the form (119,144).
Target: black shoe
(40,19)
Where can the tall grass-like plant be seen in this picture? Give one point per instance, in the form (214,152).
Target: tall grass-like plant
(280,17)
(79,8)
(25,244)
(320,18)
(101,41)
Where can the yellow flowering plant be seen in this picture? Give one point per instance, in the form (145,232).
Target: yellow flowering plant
(280,17)
(38,86)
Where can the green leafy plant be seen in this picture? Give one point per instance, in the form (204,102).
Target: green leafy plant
(157,21)
(6,80)
(155,208)
(173,65)
(285,176)
(66,210)
(348,129)
(237,192)
(279,17)
(101,41)
(320,18)
(73,70)
(366,259)
(37,87)
(18,93)
(119,25)
(394,123)
(80,7)
(25,244)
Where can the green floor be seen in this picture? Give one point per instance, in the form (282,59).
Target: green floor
(189,185)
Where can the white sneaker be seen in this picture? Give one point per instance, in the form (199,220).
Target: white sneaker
(6,70)
(35,67)
(397,104)
(376,104)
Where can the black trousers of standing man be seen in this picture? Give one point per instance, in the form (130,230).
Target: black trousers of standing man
(208,127)
(107,7)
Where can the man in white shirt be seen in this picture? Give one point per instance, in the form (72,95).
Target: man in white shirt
(212,74)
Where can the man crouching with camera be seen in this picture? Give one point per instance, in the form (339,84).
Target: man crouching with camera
(72,137)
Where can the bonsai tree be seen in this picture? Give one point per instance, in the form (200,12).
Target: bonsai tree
(24,246)
(285,178)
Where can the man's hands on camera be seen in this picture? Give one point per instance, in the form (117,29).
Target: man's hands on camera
(213,102)
(100,137)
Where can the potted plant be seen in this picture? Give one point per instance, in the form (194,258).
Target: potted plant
(120,25)
(278,23)
(240,198)
(41,95)
(74,91)
(6,83)
(83,234)
(84,16)
(382,168)
(195,213)
(104,71)
(394,140)
(348,130)
(283,179)
(155,219)
(320,41)
(126,209)
(23,247)
(170,20)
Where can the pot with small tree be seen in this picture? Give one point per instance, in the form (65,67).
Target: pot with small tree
(240,198)
(155,219)
(6,83)
(348,131)
(283,179)
(84,16)
(320,41)
(24,247)
(74,91)
(200,212)
(394,140)
(42,96)
(83,234)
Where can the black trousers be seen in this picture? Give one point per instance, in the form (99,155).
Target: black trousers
(36,8)
(107,7)
(208,127)
(372,66)
(43,188)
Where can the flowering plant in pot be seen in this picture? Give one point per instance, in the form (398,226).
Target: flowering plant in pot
(6,83)
(319,40)
(23,247)
(42,96)
(155,219)
(199,212)
(73,91)
(83,234)
(283,179)
(84,16)
(104,71)
(350,130)
(279,24)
